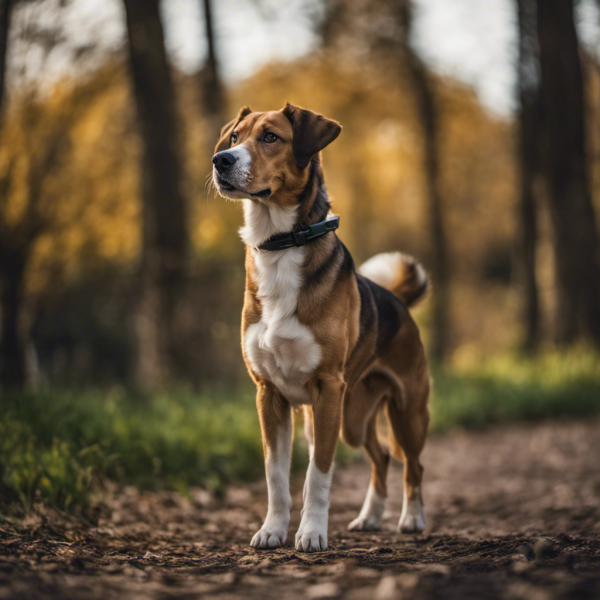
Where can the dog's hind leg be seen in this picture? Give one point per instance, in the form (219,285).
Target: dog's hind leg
(359,428)
(409,420)
(371,513)
(408,415)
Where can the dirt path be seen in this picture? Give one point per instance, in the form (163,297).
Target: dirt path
(490,497)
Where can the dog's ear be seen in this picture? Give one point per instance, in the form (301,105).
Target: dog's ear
(312,133)
(226,130)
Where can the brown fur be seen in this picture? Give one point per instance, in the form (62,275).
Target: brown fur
(355,377)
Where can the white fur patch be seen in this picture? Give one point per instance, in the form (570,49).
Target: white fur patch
(312,533)
(239,174)
(273,533)
(279,347)
(371,514)
(412,519)
(263,220)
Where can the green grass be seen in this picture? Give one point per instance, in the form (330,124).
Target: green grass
(55,443)
(59,445)
(512,388)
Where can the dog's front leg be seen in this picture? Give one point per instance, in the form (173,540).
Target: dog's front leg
(326,397)
(276,424)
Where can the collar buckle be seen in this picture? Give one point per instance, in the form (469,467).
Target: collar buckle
(299,237)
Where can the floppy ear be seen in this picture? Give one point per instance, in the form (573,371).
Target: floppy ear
(226,130)
(312,133)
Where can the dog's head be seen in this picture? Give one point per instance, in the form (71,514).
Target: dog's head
(266,155)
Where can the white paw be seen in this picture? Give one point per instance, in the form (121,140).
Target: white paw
(369,523)
(311,541)
(371,514)
(413,517)
(412,524)
(269,538)
(312,533)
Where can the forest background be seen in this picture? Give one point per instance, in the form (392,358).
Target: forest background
(121,274)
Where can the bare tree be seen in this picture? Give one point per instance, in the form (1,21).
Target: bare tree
(528,164)
(428,116)
(13,260)
(354,23)
(165,238)
(565,172)
(38,150)
(212,93)
(5,12)
(12,357)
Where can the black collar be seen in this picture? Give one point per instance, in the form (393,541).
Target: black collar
(281,241)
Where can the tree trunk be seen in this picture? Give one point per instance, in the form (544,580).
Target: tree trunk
(12,352)
(213,97)
(165,239)
(528,156)
(429,123)
(5,12)
(12,344)
(565,170)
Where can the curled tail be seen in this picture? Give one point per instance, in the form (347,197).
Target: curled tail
(399,273)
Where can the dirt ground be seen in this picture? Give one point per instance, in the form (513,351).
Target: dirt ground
(513,512)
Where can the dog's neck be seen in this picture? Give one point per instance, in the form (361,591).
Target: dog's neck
(264,219)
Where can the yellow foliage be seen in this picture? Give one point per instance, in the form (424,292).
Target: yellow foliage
(69,164)
(87,190)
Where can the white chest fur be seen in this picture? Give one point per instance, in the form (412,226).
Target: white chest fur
(279,347)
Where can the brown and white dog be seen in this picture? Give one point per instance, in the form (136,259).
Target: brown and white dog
(315,332)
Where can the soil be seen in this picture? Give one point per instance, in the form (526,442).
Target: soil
(513,512)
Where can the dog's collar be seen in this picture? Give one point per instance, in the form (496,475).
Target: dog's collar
(281,241)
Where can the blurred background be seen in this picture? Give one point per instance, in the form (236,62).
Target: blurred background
(471,140)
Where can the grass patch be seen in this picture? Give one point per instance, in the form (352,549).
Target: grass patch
(56,445)
(513,388)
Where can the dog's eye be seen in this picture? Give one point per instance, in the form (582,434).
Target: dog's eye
(270,137)
(233,138)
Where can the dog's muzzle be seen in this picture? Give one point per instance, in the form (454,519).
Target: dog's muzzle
(227,174)
(224,161)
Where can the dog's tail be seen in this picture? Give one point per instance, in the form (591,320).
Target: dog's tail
(400,273)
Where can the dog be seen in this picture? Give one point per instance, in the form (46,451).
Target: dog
(316,332)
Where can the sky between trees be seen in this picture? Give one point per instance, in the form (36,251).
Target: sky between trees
(473,41)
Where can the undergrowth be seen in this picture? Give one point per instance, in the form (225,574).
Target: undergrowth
(60,446)
(514,388)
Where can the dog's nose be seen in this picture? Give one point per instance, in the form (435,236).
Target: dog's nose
(224,160)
